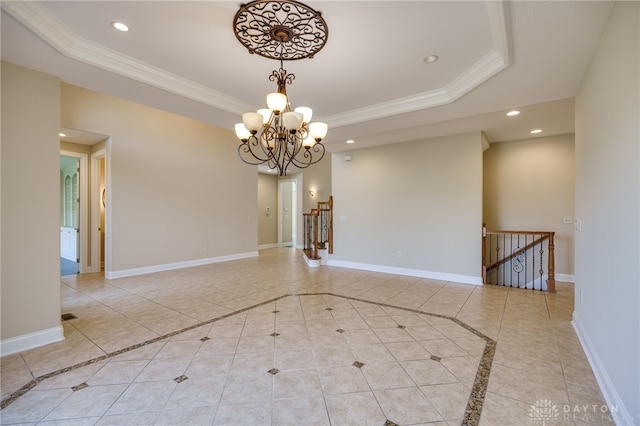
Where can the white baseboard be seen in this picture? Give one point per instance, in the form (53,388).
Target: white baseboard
(620,415)
(463,279)
(566,278)
(32,340)
(177,265)
(268,246)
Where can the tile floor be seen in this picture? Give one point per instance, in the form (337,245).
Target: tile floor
(268,340)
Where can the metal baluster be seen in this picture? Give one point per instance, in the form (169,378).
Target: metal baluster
(497,259)
(533,263)
(519,262)
(511,260)
(504,242)
(491,258)
(489,253)
(525,262)
(541,257)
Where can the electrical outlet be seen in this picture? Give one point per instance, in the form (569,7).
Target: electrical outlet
(399,253)
(567,220)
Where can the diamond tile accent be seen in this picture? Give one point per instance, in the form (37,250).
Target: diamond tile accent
(80,386)
(274,334)
(180,379)
(436,358)
(329,309)
(273,371)
(390,423)
(401,326)
(204,339)
(358,364)
(275,312)
(340,330)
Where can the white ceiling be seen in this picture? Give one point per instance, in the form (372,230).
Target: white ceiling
(369,83)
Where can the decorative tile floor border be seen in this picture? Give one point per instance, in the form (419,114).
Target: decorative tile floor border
(474,404)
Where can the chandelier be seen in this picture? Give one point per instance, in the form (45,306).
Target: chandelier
(279,135)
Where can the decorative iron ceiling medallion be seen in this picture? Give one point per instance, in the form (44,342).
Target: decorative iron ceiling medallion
(282,29)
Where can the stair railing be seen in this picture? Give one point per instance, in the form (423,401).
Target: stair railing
(517,259)
(318,229)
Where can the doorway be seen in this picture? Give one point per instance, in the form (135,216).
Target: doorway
(286,195)
(74,220)
(69,215)
(89,151)
(289,204)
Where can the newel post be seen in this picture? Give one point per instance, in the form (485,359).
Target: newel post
(330,230)
(551,282)
(315,235)
(484,253)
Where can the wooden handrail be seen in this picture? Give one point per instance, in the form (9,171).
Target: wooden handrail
(519,232)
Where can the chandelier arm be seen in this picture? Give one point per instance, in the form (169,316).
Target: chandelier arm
(279,155)
(246,148)
(297,146)
(308,156)
(318,148)
(293,145)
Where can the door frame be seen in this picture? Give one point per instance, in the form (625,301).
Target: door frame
(96,200)
(83,216)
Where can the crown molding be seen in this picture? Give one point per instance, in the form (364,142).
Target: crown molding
(48,28)
(485,68)
(480,72)
(42,23)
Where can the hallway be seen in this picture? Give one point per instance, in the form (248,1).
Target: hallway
(268,340)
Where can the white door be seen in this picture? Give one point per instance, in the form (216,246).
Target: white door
(287,205)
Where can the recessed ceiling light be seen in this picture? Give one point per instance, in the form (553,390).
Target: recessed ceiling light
(512,113)
(431,58)
(536,131)
(120,26)
(351,141)
(62,135)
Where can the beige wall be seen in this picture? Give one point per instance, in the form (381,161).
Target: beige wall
(30,155)
(316,177)
(415,206)
(529,185)
(176,190)
(267,198)
(607,273)
(75,147)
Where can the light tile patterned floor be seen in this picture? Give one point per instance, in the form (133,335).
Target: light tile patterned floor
(268,340)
